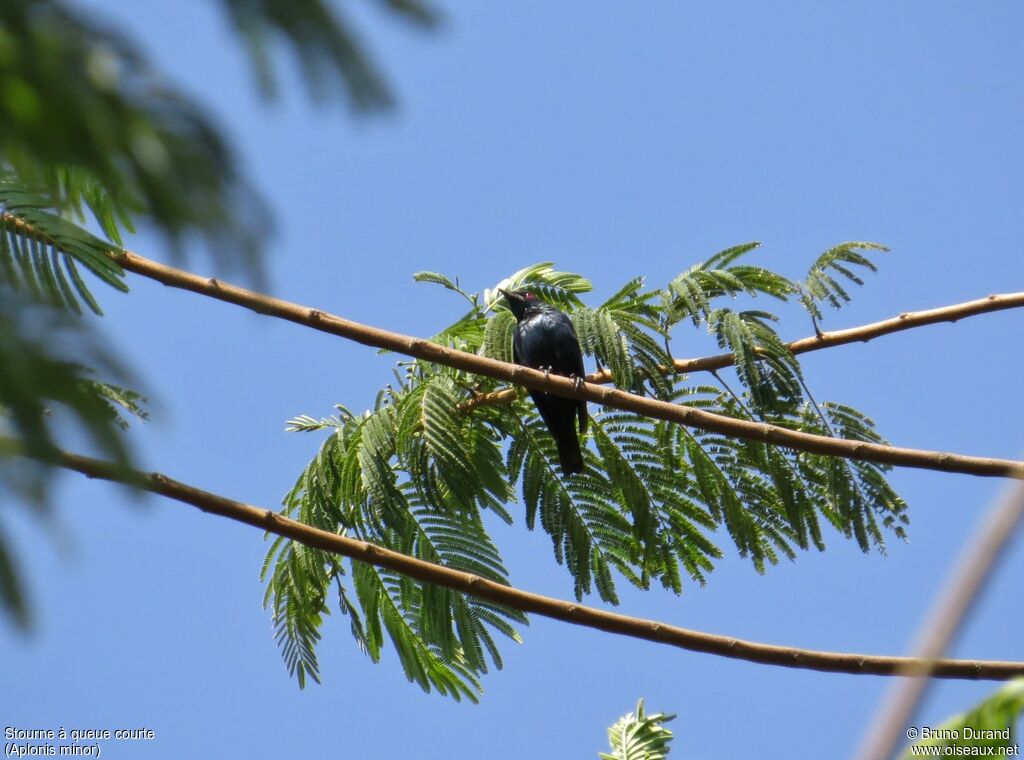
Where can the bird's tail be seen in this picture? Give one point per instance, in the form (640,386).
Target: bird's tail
(569,455)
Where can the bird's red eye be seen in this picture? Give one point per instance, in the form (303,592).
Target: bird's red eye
(529,294)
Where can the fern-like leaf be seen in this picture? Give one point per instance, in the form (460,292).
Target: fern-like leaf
(40,252)
(690,295)
(764,363)
(639,736)
(558,288)
(824,281)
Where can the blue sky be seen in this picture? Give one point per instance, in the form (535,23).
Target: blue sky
(615,140)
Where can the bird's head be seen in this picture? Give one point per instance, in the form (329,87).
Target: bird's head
(519,301)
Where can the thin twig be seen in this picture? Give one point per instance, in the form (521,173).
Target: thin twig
(557,609)
(610,397)
(951,609)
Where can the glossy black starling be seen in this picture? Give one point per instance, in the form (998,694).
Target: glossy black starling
(545,339)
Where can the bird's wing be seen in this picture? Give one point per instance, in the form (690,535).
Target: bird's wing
(567,345)
(573,359)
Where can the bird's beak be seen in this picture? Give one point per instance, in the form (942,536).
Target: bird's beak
(509,296)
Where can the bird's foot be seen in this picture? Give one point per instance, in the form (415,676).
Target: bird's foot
(577,382)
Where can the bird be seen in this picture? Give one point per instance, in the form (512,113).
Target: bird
(545,339)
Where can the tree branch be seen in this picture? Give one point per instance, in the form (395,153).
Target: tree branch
(557,609)
(862,334)
(518,375)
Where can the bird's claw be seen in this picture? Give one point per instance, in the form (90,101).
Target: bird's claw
(577,382)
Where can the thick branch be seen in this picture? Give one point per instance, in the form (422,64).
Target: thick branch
(569,612)
(610,397)
(862,334)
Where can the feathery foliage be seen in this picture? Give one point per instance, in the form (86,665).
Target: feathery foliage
(823,283)
(41,253)
(418,473)
(690,294)
(414,498)
(639,736)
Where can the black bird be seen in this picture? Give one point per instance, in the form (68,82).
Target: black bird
(545,339)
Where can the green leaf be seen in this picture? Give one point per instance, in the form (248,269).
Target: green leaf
(824,279)
(498,336)
(557,288)
(764,363)
(444,639)
(295,594)
(40,252)
(639,736)
(118,400)
(599,336)
(436,278)
(690,295)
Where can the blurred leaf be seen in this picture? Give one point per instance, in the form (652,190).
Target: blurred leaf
(12,593)
(990,724)
(43,396)
(37,388)
(87,120)
(329,52)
